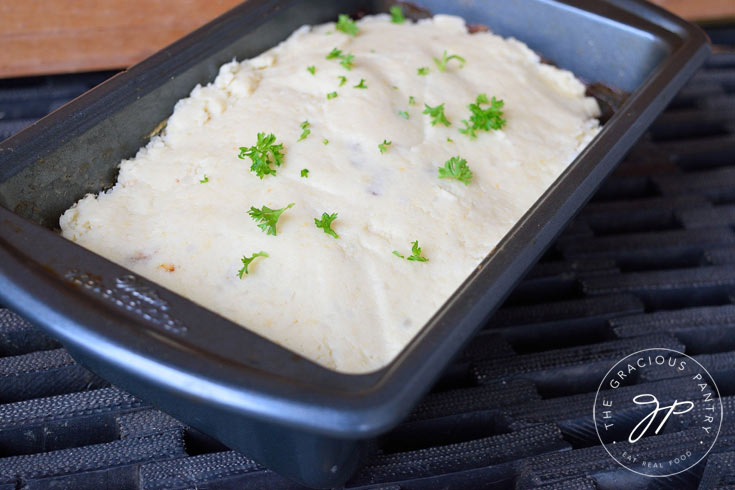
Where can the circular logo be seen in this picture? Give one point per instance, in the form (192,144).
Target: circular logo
(658,412)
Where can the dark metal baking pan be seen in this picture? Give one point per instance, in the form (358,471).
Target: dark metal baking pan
(296,417)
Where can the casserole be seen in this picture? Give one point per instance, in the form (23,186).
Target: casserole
(294,416)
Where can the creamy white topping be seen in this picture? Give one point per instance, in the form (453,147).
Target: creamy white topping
(348,303)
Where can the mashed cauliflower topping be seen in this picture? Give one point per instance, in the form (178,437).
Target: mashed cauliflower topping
(178,213)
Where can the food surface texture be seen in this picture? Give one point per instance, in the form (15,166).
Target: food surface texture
(333,192)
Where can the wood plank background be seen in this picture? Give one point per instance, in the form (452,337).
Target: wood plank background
(61,36)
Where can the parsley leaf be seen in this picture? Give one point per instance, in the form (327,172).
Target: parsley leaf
(267,217)
(331,95)
(342,80)
(411,100)
(361,84)
(437,115)
(383,147)
(415,253)
(456,168)
(325,141)
(326,224)
(334,53)
(306,131)
(484,119)
(204,180)
(311,69)
(347,25)
(347,61)
(403,114)
(264,154)
(305,172)
(396,13)
(442,64)
(247,260)
(424,70)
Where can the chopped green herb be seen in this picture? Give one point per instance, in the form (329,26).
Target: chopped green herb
(361,84)
(305,172)
(396,14)
(305,130)
(383,147)
(334,53)
(347,25)
(449,140)
(246,262)
(325,141)
(424,70)
(205,179)
(415,253)
(326,224)
(312,69)
(331,95)
(456,168)
(264,154)
(342,80)
(437,115)
(267,217)
(484,119)
(442,63)
(403,114)
(346,59)
(411,100)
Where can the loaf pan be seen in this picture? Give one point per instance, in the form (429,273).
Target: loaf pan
(300,419)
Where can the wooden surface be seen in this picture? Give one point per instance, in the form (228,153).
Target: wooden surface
(52,36)
(700,10)
(55,36)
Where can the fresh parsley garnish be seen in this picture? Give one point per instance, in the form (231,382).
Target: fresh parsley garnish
(411,100)
(305,130)
(403,114)
(334,53)
(442,63)
(449,140)
(204,180)
(325,141)
(396,14)
(361,84)
(342,80)
(331,95)
(311,69)
(383,147)
(456,168)
(347,25)
(264,154)
(437,115)
(326,224)
(247,260)
(267,217)
(484,119)
(424,70)
(346,60)
(415,253)
(305,172)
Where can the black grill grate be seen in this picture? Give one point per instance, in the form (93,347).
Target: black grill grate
(649,262)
